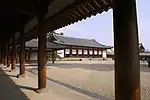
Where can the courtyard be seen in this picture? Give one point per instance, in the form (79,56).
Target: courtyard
(71,80)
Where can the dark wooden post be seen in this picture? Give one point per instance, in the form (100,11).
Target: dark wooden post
(64,52)
(88,51)
(97,52)
(8,56)
(93,52)
(5,55)
(2,55)
(53,56)
(82,51)
(70,51)
(42,59)
(127,65)
(42,9)
(13,60)
(77,54)
(22,55)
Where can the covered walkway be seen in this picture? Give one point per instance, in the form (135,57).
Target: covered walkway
(27,19)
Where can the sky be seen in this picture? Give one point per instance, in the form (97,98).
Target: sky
(100,27)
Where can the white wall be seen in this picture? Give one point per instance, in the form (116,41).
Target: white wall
(67,51)
(95,52)
(91,52)
(85,52)
(74,51)
(60,53)
(99,52)
(80,52)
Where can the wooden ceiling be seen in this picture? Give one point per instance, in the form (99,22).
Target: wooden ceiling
(16,12)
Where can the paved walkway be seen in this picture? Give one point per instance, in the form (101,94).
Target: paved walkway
(13,88)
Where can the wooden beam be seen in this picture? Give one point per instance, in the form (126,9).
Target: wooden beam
(127,65)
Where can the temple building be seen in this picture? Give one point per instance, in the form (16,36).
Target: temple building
(31,50)
(79,47)
(67,47)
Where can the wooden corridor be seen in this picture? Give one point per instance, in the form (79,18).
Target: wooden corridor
(24,20)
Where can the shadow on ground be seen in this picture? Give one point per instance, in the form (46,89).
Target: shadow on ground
(74,88)
(9,90)
(27,88)
(79,90)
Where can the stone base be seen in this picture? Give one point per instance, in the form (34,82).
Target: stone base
(12,70)
(21,76)
(4,66)
(44,90)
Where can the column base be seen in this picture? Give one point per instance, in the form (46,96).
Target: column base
(44,90)
(21,76)
(4,66)
(12,70)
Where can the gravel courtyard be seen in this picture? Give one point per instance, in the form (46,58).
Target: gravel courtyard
(93,76)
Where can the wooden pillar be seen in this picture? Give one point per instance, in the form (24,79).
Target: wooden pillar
(5,55)
(70,51)
(64,53)
(8,56)
(77,55)
(22,55)
(82,51)
(127,65)
(42,9)
(2,55)
(42,59)
(93,52)
(53,56)
(13,58)
(97,53)
(88,51)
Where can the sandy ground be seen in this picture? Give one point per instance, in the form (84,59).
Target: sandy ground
(79,80)
(93,76)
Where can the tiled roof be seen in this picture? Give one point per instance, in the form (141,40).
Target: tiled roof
(34,44)
(60,39)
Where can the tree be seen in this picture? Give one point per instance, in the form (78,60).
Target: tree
(141,47)
(61,33)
